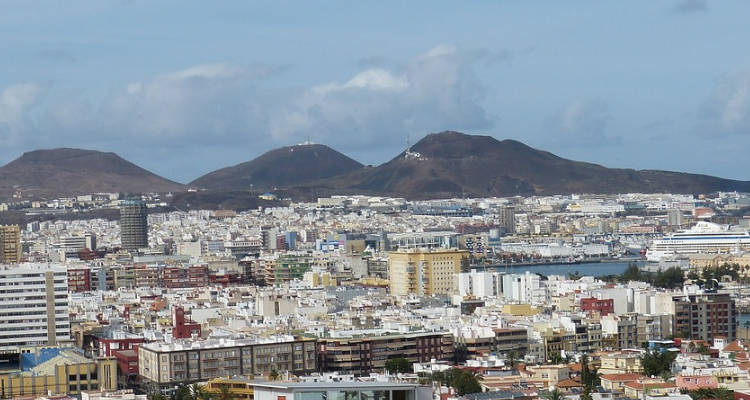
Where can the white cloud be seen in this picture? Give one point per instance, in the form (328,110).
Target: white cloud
(208,71)
(728,109)
(582,122)
(16,102)
(435,91)
(236,106)
(690,6)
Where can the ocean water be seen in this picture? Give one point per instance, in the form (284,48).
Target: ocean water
(590,269)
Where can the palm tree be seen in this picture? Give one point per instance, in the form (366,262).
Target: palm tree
(225,393)
(512,359)
(274,375)
(197,392)
(555,394)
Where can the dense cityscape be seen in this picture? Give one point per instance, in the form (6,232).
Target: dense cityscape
(581,296)
(384,200)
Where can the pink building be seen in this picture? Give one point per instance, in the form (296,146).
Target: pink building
(694,382)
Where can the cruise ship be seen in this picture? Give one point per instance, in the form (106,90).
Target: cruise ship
(704,237)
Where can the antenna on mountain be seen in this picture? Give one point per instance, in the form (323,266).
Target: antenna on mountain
(408,141)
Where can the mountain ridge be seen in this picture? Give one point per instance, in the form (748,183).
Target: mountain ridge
(440,165)
(64,171)
(280,167)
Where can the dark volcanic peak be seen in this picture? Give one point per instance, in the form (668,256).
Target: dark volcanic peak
(456,164)
(66,171)
(281,167)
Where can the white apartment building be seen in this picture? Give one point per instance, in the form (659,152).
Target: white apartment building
(526,288)
(33,305)
(480,284)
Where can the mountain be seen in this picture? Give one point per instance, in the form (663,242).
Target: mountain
(61,172)
(451,164)
(281,167)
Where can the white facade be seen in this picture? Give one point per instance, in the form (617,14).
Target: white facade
(480,284)
(33,305)
(526,288)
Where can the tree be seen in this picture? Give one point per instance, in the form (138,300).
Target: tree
(555,358)
(156,396)
(715,393)
(198,393)
(669,279)
(654,363)
(225,393)
(273,375)
(460,353)
(589,379)
(398,366)
(464,381)
(632,273)
(555,394)
(182,392)
(512,358)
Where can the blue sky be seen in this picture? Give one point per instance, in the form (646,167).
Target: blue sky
(182,88)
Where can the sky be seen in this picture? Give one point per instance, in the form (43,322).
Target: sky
(186,87)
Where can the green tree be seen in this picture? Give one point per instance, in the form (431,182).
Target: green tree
(182,392)
(460,353)
(273,375)
(670,278)
(466,382)
(655,362)
(589,379)
(197,392)
(224,393)
(512,359)
(156,396)
(715,393)
(554,358)
(555,394)
(632,273)
(398,366)
(463,381)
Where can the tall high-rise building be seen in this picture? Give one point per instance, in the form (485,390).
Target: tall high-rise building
(425,272)
(33,306)
(674,217)
(705,316)
(508,220)
(10,244)
(133,225)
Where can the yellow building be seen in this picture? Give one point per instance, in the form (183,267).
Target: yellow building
(520,310)
(320,279)
(67,373)
(701,261)
(239,387)
(621,362)
(10,244)
(425,272)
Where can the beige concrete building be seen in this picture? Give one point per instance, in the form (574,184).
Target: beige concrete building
(187,361)
(10,244)
(425,272)
(701,261)
(67,373)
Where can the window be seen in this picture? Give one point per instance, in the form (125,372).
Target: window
(310,396)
